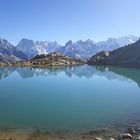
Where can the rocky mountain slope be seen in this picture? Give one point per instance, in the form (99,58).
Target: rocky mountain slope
(31,48)
(52,59)
(9,53)
(128,56)
(8,58)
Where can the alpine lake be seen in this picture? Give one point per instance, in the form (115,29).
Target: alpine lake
(77,102)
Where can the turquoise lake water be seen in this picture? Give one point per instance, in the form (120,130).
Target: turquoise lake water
(71,98)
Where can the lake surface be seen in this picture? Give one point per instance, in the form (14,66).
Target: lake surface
(79,97)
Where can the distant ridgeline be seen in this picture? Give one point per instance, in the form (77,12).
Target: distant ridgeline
(123,51)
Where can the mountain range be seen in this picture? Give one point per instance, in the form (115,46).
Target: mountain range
(86,49)
(80,49)
(27,49)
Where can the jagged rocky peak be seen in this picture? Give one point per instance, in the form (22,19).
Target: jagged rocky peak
(86,42)
(4,44)
(111,39)
(28,47)
(26,42)
(32,48)
(90,41)
(69,43)
(25,45)
(9,53)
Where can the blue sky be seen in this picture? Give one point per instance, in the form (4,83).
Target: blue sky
(64,20)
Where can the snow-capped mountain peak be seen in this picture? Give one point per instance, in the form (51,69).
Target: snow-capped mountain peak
(80,49)
(32,48)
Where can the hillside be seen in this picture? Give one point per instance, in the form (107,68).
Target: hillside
(52,59)
(128,56)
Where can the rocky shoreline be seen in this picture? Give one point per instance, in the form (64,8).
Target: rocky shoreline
(121,132)
(4,64)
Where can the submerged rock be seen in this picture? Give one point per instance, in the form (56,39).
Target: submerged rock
(99,131)
(112,138)
(131,131)
(98,138)
(49,133)
(137,138)
(125,136)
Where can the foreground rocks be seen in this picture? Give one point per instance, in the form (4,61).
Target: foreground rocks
(99,131)
(125,136)
(43,134)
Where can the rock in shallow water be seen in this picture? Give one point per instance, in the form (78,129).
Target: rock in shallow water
(99,131)
(137,138)
(138,130)
(98,138)
(112,139)
(125,136)
(131,131)
(49,133)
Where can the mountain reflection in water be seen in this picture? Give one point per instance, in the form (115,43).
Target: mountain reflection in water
(123,74)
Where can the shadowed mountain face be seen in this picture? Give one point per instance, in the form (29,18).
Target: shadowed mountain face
(123,74)
(128,56)
(8,53)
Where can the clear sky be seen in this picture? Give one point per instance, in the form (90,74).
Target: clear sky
(64,20)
